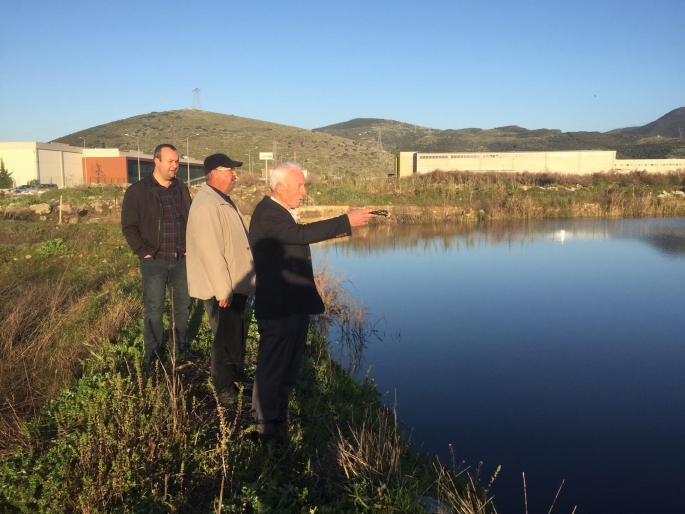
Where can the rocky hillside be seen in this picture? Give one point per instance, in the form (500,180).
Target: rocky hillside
(200,133)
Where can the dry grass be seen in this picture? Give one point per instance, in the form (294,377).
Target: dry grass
(458,498)
(376,458)
(373,450)
(48,329)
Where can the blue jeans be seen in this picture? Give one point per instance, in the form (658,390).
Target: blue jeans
(157,276)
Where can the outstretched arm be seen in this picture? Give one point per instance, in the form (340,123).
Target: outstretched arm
(280,225)
(359,217)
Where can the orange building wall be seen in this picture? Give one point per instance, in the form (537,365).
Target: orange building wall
(105,170)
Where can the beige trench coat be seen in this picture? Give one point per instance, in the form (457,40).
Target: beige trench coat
(218,256)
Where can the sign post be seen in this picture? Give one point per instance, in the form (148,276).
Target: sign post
(266,157)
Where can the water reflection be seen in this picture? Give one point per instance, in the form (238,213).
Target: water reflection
(666,235)
(554,348)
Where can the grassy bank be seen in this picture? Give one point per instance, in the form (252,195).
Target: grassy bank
(435,197)
(63,291)
(458,196)
(86,429)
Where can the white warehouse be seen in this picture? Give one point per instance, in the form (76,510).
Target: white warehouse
(572,162)
(48,163)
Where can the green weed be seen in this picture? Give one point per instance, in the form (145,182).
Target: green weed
(55,246)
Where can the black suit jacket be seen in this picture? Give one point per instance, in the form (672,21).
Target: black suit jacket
(283,260)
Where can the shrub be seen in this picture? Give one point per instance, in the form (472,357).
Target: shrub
(6,180)
(55,246)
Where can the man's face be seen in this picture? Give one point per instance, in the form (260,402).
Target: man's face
(225,179)
(167,166)
(292,190)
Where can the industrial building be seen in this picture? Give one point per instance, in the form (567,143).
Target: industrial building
(571,162)
(67,166)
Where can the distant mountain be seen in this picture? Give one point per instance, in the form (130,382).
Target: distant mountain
(621,130)
(201,133)
(363,146)
(395,136)
(669,125)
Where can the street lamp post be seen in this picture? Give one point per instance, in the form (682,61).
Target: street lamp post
(138,146)
(84,177)
(188,154)
(250,157)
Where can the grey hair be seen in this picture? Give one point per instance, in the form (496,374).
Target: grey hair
(280,171)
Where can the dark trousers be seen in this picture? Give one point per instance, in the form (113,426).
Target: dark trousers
(281,346)
(228,347)
(157,276)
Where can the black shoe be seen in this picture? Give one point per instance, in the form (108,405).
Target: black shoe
(247,386)
(266,438)
(187,355)
(227,397)
(294,418)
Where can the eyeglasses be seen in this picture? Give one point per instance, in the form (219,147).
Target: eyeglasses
(221,168)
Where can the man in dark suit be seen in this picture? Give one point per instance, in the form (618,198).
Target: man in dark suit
(286,294)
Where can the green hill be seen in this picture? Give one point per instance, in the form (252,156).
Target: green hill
(394,136)
(241,138)
(364,146)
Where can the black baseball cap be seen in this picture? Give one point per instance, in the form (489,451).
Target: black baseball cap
(220,160)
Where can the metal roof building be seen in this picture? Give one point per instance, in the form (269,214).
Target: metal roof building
(579,162)
(67,166)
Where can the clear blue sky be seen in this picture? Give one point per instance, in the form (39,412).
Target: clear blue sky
(574,65)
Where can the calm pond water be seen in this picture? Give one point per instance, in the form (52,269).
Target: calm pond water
(554,348)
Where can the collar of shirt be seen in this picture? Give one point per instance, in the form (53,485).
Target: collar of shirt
(223,195)
(172,183)
(293,212)
(228,200)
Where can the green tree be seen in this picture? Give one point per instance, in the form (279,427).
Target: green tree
(5,176)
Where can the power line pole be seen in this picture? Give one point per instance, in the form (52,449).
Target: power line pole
(196,99)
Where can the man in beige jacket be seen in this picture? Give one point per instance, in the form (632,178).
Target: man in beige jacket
(221,270)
